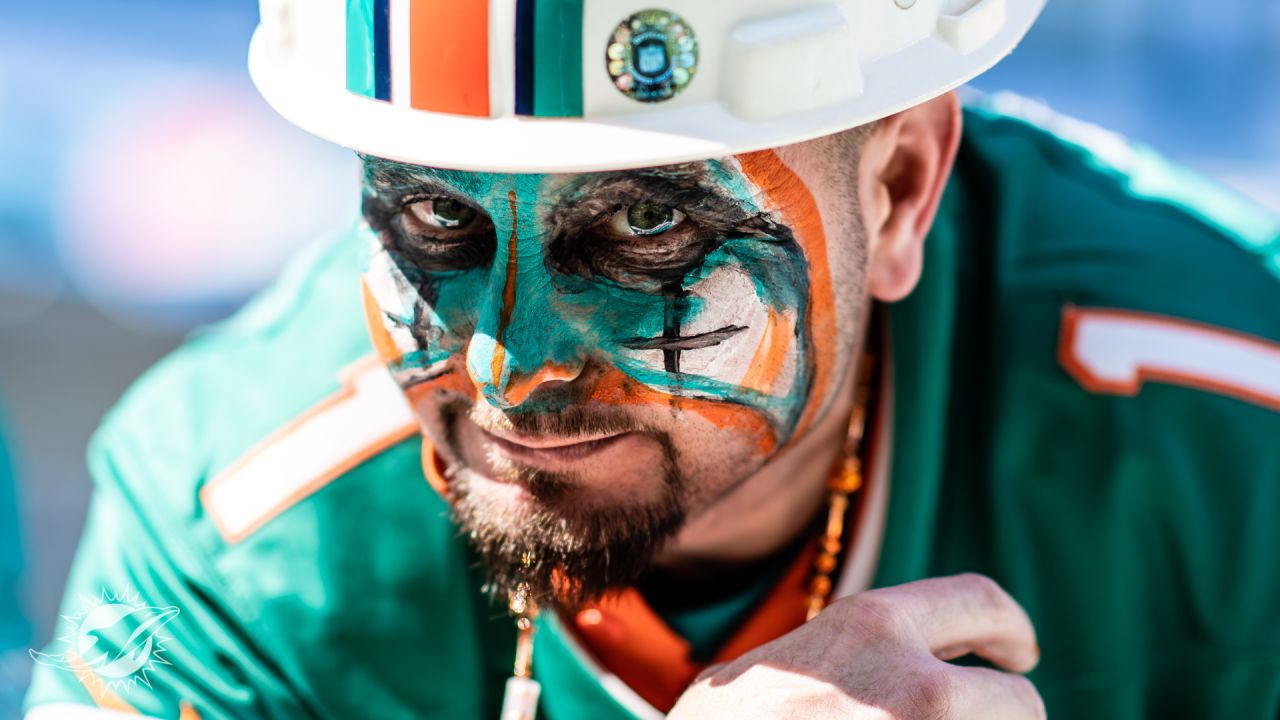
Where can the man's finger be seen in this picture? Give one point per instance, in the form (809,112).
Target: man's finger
(707,672)
(993,695)
(965,614)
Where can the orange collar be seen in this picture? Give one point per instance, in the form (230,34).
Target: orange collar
(626,636)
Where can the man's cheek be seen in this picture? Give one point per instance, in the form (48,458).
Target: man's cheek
(418,323)
(752,293)
(729,334)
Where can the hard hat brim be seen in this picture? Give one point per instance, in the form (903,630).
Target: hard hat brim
(700,131)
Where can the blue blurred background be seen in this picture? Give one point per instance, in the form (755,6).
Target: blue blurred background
(140,178)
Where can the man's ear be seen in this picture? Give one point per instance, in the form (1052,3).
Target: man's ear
(905,166)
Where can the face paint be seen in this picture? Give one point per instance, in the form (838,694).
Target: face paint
(520,302)
(721,325)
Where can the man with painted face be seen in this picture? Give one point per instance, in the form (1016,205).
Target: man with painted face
(750,377)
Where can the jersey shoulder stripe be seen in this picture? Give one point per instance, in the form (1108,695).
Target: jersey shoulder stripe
(366,416)
(256,410)
(1114,352)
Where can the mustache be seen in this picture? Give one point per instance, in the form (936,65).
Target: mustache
(569,422)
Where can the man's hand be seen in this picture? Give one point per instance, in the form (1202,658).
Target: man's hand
(881,654)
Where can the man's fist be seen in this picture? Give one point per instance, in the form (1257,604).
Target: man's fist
(882,654)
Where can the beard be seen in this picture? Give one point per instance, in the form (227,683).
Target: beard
(564,548)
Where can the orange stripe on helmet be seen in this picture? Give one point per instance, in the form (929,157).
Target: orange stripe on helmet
(449,56)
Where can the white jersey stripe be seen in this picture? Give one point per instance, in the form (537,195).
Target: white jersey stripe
(365,417)
(1114,352)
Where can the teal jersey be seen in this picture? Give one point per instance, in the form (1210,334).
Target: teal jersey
(1084,394)
(14,632)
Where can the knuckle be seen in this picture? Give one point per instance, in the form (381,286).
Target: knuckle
(875,616)
(986,590)
(981,584)
(1030,697)
(928,697)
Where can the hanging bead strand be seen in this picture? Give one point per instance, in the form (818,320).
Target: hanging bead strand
(844,482)
(520,701)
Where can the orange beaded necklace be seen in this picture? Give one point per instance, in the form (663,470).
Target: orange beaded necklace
(845,480)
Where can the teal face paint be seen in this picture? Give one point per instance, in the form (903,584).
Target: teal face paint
(543,284)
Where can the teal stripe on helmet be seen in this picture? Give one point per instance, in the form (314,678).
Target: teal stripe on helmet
(360,45)
(557,58)
(368,48)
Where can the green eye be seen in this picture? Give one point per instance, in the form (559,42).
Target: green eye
(442,234)
(443,213)
(646,219)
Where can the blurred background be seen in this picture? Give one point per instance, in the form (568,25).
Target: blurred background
(140,196)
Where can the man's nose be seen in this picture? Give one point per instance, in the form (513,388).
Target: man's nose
(521,344)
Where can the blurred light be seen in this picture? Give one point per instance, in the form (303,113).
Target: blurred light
(187,195)
(29,282)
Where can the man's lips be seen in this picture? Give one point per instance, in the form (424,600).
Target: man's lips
(542,449)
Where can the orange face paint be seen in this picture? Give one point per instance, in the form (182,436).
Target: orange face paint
(386,348)
(772,353)
(788,194)
(615,388)
(508,294)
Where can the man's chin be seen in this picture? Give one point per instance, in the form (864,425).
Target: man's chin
(551,534)
(521,497)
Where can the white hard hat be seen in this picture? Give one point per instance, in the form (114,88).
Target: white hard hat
(581,85)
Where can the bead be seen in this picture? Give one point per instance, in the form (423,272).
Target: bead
(820,586)
(813,607)
(835,516)
(848,480)
(520,702)
(831,546)
(825,563)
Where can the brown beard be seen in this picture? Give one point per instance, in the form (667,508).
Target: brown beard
(565,551)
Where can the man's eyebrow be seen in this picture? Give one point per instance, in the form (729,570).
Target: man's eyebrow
(388,185)
(388,175)
(690,175)
(690,187)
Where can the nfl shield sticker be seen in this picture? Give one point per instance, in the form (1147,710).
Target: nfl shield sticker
(652,55)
